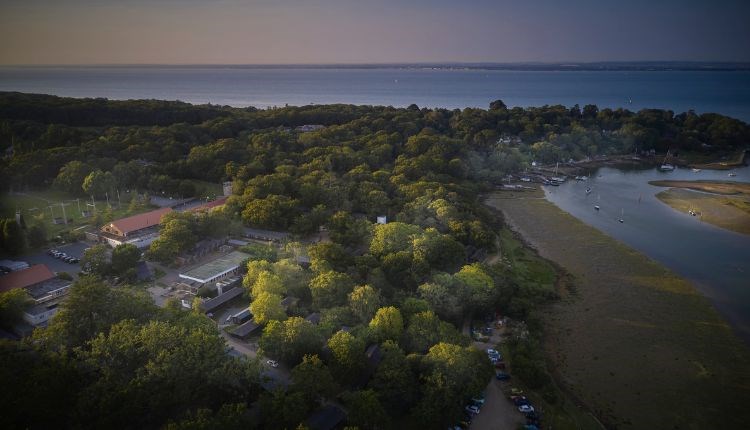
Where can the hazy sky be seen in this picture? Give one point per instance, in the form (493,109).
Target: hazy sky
(370,31)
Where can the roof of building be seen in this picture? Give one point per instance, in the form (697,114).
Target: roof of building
(210,205)
(289,301)
(326,418)
(313,318)
(374,354)
(236,242)
(265,234)
(213,269)
(40,309)
(25,278)
(245,329)
(41,290)
(140,221)
(211,304)
(14,265)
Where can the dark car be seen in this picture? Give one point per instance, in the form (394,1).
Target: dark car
(500,365)
(521,400)
(533,416)
(502,376)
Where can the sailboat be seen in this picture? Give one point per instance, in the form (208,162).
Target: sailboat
(622,216)
(556,180)
(666,167)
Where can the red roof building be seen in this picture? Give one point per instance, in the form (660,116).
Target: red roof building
(125,227)
(25,278)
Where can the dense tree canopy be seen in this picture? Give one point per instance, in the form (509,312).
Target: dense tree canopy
(403,286)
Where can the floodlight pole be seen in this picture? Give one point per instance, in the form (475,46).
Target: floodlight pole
(65,217)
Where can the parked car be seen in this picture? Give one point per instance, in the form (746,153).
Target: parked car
(520,400)
(478,400)
(525,408)
(502,376)
(533,416)
(499,365)
(472,409)
(530,427)
(76,260)
(491,351)
(516,391)
(272,363)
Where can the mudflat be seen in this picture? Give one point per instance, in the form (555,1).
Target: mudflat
(635,343)
(725,204)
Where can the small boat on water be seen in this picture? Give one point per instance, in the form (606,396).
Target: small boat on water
(588,191)
(732,175)
(596,207)
(666,167)
(582,178)
(622,216)
(696,170)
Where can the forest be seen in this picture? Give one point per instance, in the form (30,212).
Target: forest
(112,359)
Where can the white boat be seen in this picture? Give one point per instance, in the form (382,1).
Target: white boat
(596,207)
(696,170)
(666,167)
(622,216)
(588,191)
(732,175)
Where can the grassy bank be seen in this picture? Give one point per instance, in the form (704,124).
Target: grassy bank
(636,344)
(724,204)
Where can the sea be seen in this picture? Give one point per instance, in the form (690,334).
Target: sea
(725,92)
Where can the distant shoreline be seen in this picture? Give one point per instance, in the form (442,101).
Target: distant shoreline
(604,66)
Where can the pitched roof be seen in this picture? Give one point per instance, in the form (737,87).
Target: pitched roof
(210,205)
(25,278)
(140,221)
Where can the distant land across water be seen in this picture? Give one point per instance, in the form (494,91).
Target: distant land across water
(678,86)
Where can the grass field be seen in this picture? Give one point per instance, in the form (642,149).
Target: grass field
(40,206)
(639,346)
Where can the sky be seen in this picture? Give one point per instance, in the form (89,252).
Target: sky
(370,31)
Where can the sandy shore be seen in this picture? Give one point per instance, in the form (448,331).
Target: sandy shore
(640,346)
(724,204)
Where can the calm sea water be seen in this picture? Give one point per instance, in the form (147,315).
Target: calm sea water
(723,92)
(717,261)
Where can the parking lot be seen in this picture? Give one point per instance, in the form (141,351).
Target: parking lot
(56,265)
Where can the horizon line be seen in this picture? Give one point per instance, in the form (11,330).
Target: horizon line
(397,63)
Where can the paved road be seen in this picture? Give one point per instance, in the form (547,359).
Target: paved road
(498,412)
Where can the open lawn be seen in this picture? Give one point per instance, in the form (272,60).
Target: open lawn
(42,206)
(639,346)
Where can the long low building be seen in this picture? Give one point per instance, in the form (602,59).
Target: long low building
(139,230)
(43,286)
(211,304)
(221,268)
